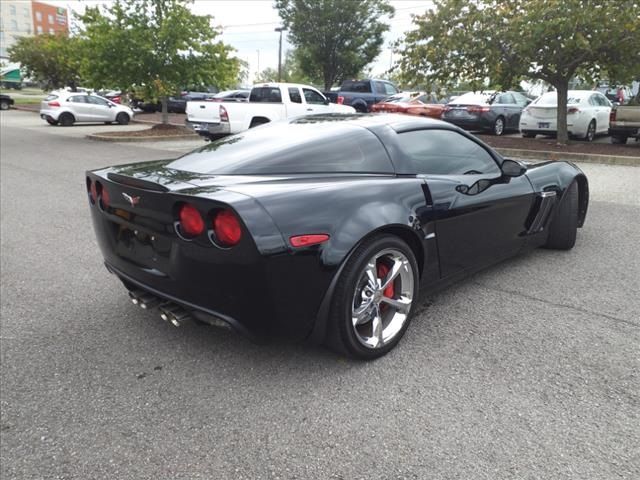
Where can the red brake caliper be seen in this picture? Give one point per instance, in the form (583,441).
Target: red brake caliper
(383,270)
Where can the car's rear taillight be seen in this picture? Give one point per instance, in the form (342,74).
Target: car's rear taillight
(91,190)
(573,110)
(226,228)
(308,240)
(105,199)
(612,115)
(224,116)
(477,109)
(54,104)
(340,100)
(191,222)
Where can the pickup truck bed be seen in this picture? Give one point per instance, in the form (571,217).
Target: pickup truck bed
(624,122)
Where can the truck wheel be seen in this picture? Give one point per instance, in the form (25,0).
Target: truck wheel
(619,140)
(360,108)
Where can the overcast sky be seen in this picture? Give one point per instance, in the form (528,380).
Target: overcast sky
(248,26)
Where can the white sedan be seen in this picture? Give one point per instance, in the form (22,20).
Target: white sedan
(587,115)
(67,108)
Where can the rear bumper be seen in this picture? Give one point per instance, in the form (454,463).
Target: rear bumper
(205,128)
(480,123)
(624,131)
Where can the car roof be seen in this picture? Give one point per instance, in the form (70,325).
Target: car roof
(398,122)
(282,84)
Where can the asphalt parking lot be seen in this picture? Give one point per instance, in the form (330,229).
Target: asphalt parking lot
(528,370)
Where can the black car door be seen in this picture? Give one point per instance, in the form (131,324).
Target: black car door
(480,213)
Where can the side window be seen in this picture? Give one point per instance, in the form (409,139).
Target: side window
(445,152)
(604,101)
(379,86)
(520,99)
(505,99)
(311,96)
(78,99)
(593,100)
(97,101)
(294,95)
(390,89)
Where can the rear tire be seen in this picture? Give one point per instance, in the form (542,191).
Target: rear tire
(591,131)
(51,121)
(619,140)
(498,127)
(122,118)
(66,119)
(564,227)
(380,325)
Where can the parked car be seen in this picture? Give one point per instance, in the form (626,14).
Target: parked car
(325,227)
(179,104)
(68,108)
(616,94)
(587,115)
(624,122)
(362,94)
(494,111)
(5,102)
(413,103)
(115,96)
(231,96)
(268,102)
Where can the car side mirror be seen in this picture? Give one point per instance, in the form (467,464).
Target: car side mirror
(528,102)
(327,101)
(513,168)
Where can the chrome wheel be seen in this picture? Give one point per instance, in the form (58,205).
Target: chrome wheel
(382,299)
(591,132)
(498,127)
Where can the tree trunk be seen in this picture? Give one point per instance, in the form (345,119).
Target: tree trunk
(562,88)
(165,110)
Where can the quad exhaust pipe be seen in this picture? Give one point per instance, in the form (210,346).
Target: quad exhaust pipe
(169,312)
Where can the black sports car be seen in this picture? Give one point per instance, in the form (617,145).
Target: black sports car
(325,227)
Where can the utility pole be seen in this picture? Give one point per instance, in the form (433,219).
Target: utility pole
(258,69)
(280,29)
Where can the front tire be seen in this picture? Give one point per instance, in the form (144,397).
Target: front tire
(374,298)
(562,235)
(122,118)
(4,105)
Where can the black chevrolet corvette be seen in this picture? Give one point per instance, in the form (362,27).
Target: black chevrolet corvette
(325,227)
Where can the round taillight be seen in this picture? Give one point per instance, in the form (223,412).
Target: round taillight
(105,199)
(226,228)
(89,193)
(191,222)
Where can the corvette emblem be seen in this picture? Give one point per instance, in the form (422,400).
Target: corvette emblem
(131,199)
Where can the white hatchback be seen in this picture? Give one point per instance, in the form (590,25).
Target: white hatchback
(67,108)
(587,115)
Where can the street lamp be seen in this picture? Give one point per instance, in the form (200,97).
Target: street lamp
(280,29)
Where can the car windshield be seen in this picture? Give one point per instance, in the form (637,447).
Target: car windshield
(290,148)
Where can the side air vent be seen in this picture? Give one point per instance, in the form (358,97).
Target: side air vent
(545,202)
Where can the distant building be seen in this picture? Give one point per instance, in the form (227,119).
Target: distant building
(49,19)
(15,21)
(20,18)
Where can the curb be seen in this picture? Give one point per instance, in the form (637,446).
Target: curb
(103,138)
(149,122)
(568,156)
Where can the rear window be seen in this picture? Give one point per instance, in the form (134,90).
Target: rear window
(286,148)
(266,94)
(551,98)
(356,86)
(50,97)
(473,99)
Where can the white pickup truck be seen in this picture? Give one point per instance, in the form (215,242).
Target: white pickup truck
(268,102)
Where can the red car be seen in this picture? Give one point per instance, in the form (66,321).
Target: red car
(412,103)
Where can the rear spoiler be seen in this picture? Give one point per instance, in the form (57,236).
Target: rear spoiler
(136,182)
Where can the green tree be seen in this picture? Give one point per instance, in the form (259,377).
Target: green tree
(335,39)
(52,60)
(155,47)
(500,42)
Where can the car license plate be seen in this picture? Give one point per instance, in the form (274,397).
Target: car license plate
(543,125)
(457,113)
